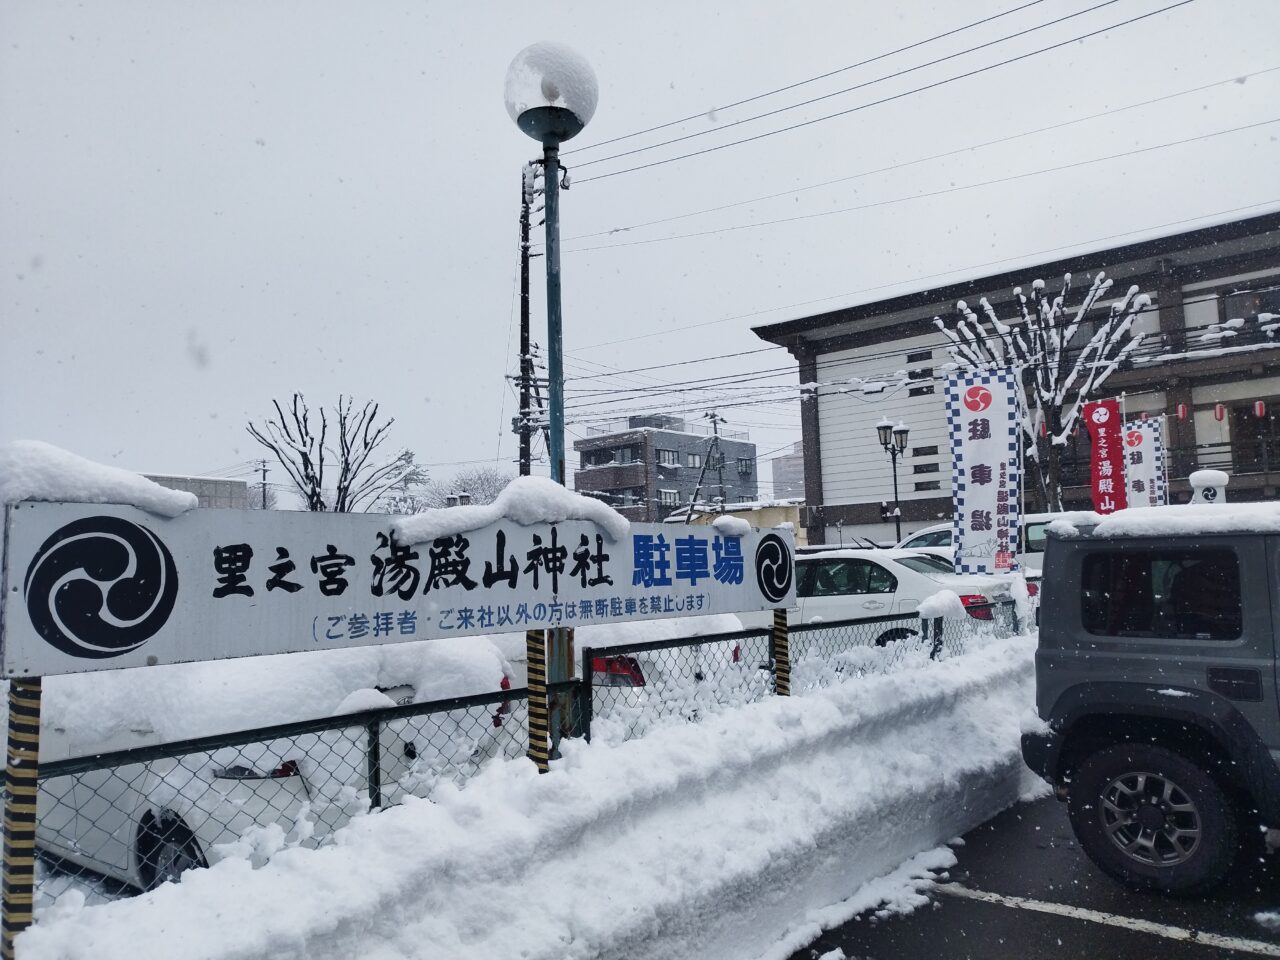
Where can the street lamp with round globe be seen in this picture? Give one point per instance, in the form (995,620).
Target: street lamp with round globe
(551,94)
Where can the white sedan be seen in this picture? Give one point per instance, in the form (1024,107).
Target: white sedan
(867,584)
(149,821)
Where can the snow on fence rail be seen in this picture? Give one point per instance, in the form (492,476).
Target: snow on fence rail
(114,822)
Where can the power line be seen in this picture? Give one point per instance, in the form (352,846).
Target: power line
(859,86)
(934,276)
(924,196)
(783,390)
(1239,78)
(888,99)
(801,83)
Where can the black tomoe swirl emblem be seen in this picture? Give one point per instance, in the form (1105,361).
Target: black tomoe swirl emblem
(774,568)
(100,587)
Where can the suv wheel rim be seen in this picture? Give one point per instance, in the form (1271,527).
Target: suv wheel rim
(1150,819)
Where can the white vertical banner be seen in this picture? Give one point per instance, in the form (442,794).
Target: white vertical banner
(986,484)
(1146,481)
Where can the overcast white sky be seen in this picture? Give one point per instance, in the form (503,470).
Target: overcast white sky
(207,205)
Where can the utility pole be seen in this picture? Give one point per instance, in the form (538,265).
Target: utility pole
(264,484)
(715,432)
(526,362)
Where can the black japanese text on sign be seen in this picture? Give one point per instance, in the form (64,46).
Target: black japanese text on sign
(241,583)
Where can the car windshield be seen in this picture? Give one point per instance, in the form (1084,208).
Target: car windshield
(924,563)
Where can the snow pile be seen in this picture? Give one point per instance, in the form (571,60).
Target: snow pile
(525,500)
(1209,478)
(783,811)
(1193,518)
(85,711)
(944,603)
(34,470)
(731,526)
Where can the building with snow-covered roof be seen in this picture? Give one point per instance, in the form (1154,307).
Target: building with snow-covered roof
(644,467)
(1208,356)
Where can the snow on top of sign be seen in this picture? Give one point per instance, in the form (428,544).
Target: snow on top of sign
(1174,520)
(731,526)
(526,500)
(34,470)
(1209,478)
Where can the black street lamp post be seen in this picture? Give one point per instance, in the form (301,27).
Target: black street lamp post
(894,441)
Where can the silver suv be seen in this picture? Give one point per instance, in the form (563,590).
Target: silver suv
(1156,676)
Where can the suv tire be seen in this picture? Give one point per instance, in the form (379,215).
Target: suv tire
(1153,820)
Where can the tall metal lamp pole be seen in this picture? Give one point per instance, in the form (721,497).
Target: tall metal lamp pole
(551,94)
(894,441)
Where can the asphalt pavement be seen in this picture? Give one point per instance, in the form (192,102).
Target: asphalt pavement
(1024,889)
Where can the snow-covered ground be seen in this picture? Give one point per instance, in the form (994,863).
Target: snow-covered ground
(789,812)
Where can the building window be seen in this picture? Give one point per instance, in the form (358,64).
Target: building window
(922,374)
(924,468)
(919,356)
(929,485)
(924,451)
(695,459)
(668,498)
(744,466)
(1250,303)
(669,458)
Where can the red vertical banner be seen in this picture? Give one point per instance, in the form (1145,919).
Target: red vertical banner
(1106,434)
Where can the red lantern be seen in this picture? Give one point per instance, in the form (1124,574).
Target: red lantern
(1259,408)
(1219,412)
(1182,411)
(1044,430)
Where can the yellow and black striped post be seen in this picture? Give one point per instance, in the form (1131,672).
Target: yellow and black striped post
(20,810)
(781,655)
(536,654)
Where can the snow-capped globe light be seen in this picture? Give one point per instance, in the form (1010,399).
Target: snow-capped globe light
(551,92)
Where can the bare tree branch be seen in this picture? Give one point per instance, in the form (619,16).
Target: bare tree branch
(304,454)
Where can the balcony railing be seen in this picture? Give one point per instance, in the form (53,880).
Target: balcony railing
(1240,458)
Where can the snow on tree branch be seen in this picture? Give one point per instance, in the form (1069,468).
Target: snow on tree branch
(1057,374)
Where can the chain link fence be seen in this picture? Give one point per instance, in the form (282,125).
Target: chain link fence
(628,690)
(114,823)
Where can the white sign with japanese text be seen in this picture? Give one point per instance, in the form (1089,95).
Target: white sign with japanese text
(982,415)
(94,587)
(1144,467)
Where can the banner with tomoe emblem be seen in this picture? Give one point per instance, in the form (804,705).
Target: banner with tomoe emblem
(1144,468)
(1102,420)
(983,420)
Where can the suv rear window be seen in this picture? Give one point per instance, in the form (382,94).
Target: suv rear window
(1178,594)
